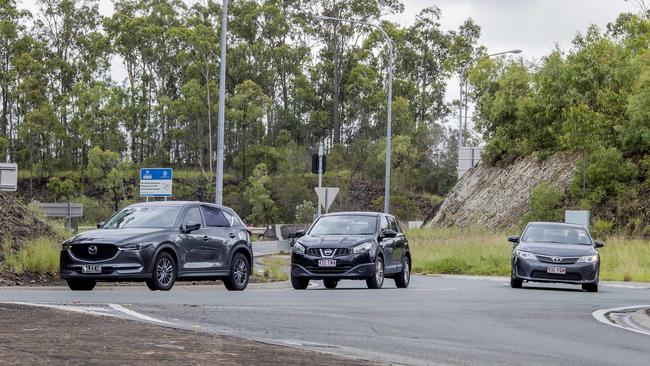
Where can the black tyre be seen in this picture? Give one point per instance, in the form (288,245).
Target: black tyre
(403,278)
(329,283)
(164,273)
(376,281)
(299,283)
(81,285)
(590,287)
(240,270)
(516,283)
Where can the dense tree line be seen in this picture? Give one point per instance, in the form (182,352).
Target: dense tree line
(292,81)
(592,100)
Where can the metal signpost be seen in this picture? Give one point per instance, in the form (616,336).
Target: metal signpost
(8,177)
(320,172)
(156,182)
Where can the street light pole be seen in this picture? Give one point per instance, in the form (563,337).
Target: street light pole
(463,84)
(390,98)
(218,194)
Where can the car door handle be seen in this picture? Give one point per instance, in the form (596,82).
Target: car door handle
(232,235)
(206,238)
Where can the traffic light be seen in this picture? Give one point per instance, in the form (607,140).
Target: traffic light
(314,163)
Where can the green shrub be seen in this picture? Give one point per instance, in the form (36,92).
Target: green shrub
(94,210)
(546,203)
(305,212)
(603,174)
(39,256)
(601,228)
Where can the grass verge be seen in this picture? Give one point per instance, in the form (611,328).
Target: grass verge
(39,255)
(482,252)
(275,268)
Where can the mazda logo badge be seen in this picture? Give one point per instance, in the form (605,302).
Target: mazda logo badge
(556,259)
(327,252)
(92,249)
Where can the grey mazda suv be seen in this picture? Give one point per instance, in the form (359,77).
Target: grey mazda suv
(160,243)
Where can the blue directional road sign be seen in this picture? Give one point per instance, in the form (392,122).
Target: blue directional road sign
(156,182)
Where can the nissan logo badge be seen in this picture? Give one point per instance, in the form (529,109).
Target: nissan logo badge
(327,252)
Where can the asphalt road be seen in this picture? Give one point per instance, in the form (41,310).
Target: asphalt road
(438,320)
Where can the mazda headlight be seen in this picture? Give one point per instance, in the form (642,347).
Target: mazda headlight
(298,248)
(136,246)
(588,259)
(525,255)
(362,248)
(66,244)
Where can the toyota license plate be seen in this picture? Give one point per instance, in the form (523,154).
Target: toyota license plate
(91,268)
(556,270)
(327,262)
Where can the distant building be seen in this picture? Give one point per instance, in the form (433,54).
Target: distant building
(468,157)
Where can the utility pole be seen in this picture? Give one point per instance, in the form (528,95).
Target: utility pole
(222,104)
(320,171)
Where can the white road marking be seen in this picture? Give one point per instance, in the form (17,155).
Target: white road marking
(601,316)
(92,310)
(134,314)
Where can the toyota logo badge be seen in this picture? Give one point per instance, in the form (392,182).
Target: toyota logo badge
(92,249)
(556,259)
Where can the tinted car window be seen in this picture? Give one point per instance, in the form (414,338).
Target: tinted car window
(345,225)
(144,217)
(393,224)
(193,215)
(214,217)
(556,234)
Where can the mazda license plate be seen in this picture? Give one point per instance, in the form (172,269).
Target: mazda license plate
(556,270)
(91,268)
(327,262)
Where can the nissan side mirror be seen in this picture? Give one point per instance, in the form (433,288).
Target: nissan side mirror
(513,239)
(599,243)
(297,234)
(389,233)
(191,226)
(100,224)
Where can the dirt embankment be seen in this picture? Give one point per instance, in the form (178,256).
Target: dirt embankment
(495,197)
(18,224)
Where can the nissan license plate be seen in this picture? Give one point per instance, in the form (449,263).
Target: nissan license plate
(91,268)
(327,262)
(556,270)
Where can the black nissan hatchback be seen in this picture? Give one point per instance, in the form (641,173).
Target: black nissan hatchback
(351,245)
(555,252)
(160,243)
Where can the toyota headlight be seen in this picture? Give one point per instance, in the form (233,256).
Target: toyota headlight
(362,248)
(588,259)
(525,255)
(298,248)
(136,246)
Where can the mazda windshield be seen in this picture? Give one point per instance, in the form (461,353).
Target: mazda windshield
(344,225)
(143,217)
(560,234)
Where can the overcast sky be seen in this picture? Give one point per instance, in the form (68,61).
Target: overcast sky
(534,26)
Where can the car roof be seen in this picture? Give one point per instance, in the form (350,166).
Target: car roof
(556,224)
(174,204)
(354,213)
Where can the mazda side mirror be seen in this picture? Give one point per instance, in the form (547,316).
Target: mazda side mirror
(389,233)
(599,243)
(513,239)
(297,234)
(191,226)
(100,224)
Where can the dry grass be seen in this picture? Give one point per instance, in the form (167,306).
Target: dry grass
(275,268)
(482,252)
